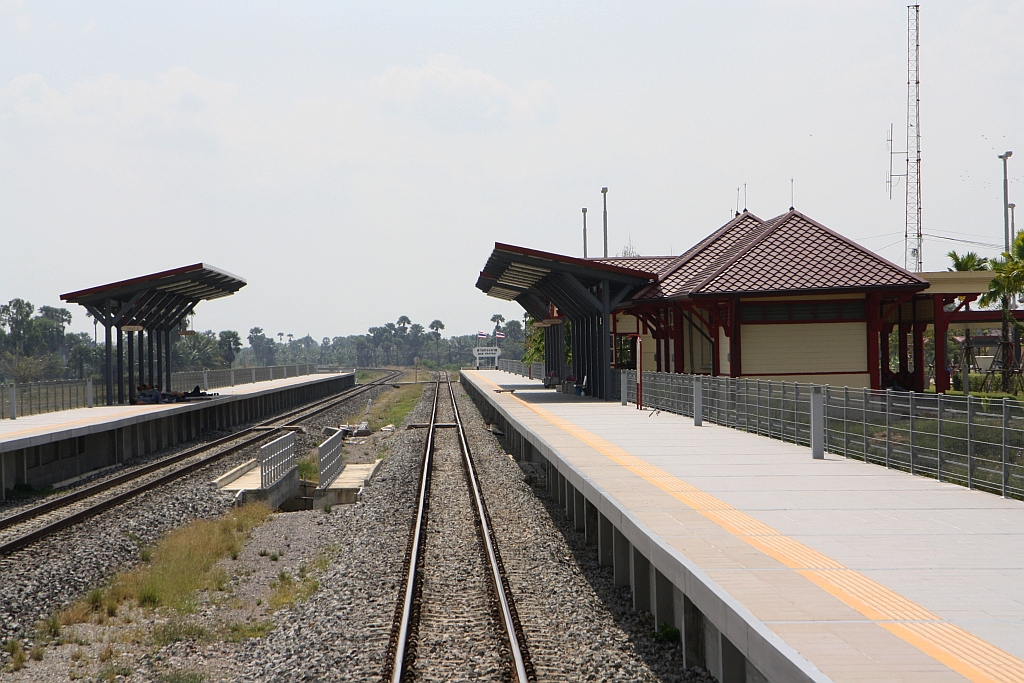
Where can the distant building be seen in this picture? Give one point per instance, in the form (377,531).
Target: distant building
(783,299)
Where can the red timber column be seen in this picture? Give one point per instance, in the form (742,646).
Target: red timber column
(903,334)
(735,359)
(677,339)
(871,306)
(941,327)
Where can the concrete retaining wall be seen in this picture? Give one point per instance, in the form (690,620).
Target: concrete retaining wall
(47,459)
(717,632)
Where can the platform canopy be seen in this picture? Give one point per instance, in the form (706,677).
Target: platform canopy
(155,304)
(583,291)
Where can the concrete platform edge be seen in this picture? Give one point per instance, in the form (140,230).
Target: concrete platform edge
(765,650)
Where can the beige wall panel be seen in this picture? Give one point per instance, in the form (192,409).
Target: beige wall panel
(859,381)
(724,367)
(625,324)
(804,348)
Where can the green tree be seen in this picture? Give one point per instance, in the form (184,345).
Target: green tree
(16,316)
(435,328)
(1007,283)
(197,352)
(263,348)
(229,344)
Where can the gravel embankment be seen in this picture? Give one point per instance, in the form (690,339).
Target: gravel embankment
(341,632)
(51,574)
(578,625)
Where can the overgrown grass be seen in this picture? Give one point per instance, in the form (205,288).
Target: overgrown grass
(288,590)
(182,563)
(393,406)
(182,677)
(239,631)
(309,467)
(364,376)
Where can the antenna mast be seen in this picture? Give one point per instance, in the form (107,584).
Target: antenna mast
(913,235)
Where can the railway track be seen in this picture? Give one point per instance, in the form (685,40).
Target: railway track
(32,524)
(455,618)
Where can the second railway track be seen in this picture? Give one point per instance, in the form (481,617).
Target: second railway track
(455,619)
(32,524)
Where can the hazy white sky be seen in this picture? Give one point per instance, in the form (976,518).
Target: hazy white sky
(356,161)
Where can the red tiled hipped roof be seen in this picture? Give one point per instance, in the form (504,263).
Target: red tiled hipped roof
(787,253)
(650,264)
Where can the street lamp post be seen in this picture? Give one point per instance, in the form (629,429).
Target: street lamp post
(1013,222)
(604,195)
(584,232)
(1006,200)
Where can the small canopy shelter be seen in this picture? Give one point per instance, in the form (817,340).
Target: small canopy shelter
(152,306)
(581,290)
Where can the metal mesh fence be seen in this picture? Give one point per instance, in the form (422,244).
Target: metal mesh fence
(32,398)
(971,441)
(532,370)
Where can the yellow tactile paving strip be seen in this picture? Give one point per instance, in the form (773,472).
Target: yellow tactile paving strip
(960,650)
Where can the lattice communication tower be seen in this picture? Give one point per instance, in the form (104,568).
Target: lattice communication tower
(913,235)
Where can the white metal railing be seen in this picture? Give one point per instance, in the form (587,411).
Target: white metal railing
(533,370)
(329,457)
(277,458)
(31,398)
(971,441)
(217,379)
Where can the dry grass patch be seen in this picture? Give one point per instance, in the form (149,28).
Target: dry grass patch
(182,563)
(288,590)
(392,406)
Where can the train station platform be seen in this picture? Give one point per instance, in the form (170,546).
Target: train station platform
(53,448)
(774,566)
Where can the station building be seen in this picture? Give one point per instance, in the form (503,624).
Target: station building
(785,299)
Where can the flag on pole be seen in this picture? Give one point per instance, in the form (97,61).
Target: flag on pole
(499,334)
(481,335)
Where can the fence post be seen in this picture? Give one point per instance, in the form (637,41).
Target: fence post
(206,381)
(864,421)
(846,422)
(698,402)
(817,423)
(14,405)
(938,440)
(911,409)
(1006,444)
(828,404)
(232,377)
(888,427)
(623,383)
(254,375)
(89,398)
(970,443)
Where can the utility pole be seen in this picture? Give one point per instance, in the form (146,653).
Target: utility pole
(913,235)
(584,232)
(604,195)
(1006,201)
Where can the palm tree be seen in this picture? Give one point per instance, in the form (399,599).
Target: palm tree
(964,262)
(1007,283)
(436,326)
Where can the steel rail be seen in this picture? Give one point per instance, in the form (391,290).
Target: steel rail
(399,644)
(259,432)
(512,628)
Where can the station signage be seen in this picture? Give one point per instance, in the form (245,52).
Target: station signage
(486,352)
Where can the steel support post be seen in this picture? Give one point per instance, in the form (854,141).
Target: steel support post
(108,367)
(89,393)
(131,367)
(846,422)
(1006,445)
(624,384)
(938,429)
(151,378)
(888,427)
(14,402)
(698,401)
(864,422)
(910,402)
(817,423)
(970,443)
(120,366)
(167,359)
(160,360)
